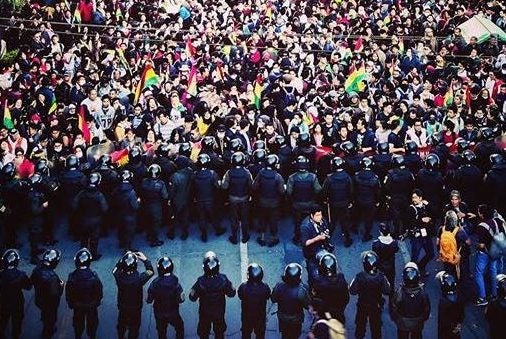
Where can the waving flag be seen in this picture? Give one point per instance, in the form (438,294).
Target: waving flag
(148,78)
(53,106)
(257,91)
(355,81)
(191,50)
(192,82)
(8,123)
(83,125)
(448,99)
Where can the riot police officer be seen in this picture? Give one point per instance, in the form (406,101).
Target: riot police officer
(126,204)
(399,183)
(338,192)
(412,159)
(12,283)
(234,145)
(269,188)
(166,293)
(238,183)
(90,207)
(450,309)
(495,183)
(367,191)
(496,310)
(431,181)
(485,148)
(305,149)
(386,247)
(258,158)
(167,166)
(382,160)
(108,184)
(136,166)
(48,290)
(302,188)
(468,180)
(205,187)
(185,149)
(254,294)
(13,194)
(210,289)
(154,195)
(209,147)
(284,152)
(410,305)
(331,287)
(38,204)
(179,192)
(130,289)
(84,294)
(292,297)
(351,156)
(50,187)
(369,284)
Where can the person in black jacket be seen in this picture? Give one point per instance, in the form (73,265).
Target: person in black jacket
(292,297)
(126,205)
(12,283)
(450,308)
(495,183)
(338,191)
(166,293)
(13,192)
(496,311)
(48,290)
(38,204)
(90,207)
(108,184)
(430,180)
(153,194)
(468,180)
(254,295)
(410,305)
(210,289)
(84,294)
(130,289)
(386,247)
(331,288)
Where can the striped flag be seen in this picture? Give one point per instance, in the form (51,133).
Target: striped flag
(448,98)
(355,81)
(53,106)
(8,123)
(148,78)
(76,19)
(257,91)
(83,125)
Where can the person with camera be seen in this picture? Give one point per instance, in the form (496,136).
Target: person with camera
(315,238)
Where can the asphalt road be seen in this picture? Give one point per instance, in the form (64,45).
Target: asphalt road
(187,256)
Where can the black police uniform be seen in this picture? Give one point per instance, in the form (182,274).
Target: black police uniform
(468,180)
(90,208)
(126,205)
(110,181)
(382,164)
(211,292)
(483,151)
(291,300)
(238,183)
(495,315)
(71,183)
(269,189)
(139,170)
(432,184)
(36,220)
(166,294)
(48,290)
(84,294)
(254,296)
(179,193)
(413,162)
(338,191)
(353,163)
(495,188)
(50,188)
(399,184)
(130,290)
(13,194)
(334,294)
(409,309)
(367,190)
(153,195)
(205,186)
(386,247)
(369,288)
(12,283)
(450,316)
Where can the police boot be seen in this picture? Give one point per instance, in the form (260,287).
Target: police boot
(233,237)
(203,235)
(261,240)
(218,230)
(273,241)
(347,241)
(94,249)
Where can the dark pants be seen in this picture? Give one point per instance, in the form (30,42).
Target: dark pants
(217,323)
(181,217)
(289,329)
(48,315)
(299,212)
(417,244)
(269,218)
(152,215)
(126,229)
(257,326)
(365,213)
(371,312)
(88,236)
(397,213)
(409,335)
(16,319)
(206,215)
(340,214)
(239,213)
(9,234)
(163,322)
(129,320)
(85,318)
(35,236)
(389,272)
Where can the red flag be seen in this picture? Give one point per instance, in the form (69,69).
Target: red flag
(120,157)
(190,48)
(83,125)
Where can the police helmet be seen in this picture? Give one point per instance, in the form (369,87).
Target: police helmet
(236,145)
(71,162)
(432,161)
(105,160)
(280,140)
(51,258)
(336,148)
(384,229)
(383,148)
(135,155)
(259,155)
(337,163)
(411,147)
(272,161)
(208,143)
(501,285)
(126,176)
(203,160)
(83,258)
(128,262)
(35,180)
(9,170)
(163,150)
(94,179)
(10,258)
(255,272)
(348,148)
(366,163)
(448,285)
(398,160)
(370,262)
(185,149)
(259,144)
(469,156)
(42,167)
(165,266)
(487,133)
(497,159)
(238,159)
(154,171)
(304,140)
(411,275)
(327,265)
(462,145)
(292,274)
(302,163)
(211,264)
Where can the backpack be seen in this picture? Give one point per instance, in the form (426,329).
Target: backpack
(448,251)
(336,329)
(498,244)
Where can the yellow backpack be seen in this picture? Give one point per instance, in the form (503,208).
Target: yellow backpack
(448,251)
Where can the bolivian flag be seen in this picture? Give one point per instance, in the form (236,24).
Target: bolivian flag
(148,78)
(8,123)
(355,81)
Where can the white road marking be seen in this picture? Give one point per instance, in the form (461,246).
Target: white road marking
(404,251)
(243,248)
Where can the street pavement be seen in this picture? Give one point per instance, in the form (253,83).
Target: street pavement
(187,256)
